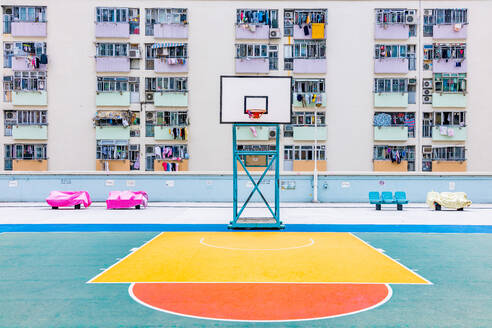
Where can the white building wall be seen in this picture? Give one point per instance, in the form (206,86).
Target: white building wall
(349,79)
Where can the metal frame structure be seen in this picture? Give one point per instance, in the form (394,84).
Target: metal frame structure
(271,157)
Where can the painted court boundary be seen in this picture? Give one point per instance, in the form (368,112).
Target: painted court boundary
(223,227)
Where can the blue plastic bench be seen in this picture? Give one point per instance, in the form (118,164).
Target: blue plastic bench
(386,197)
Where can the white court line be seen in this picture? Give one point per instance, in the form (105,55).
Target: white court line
(384,254)
(257,249)
(131,253)
(386,299)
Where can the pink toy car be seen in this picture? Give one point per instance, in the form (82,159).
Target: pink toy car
(127,199)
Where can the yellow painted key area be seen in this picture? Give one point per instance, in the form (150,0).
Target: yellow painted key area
(290,257)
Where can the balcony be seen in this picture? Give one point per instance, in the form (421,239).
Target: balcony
(164,133)
(112,133)
(37,29)
(30,132)
(112,64)
(30,165)
(112,30)
(390,133)
(308,104)
(114,98)
(448,100)
(260,32)
(182,165)
(391,65)
(300,33)
(30,98)
(449,65)
(22,64)
(448,166)
(170,99)
(171,31)
(309,132)
(248,133)
(252,65)
(449,32)
(391,99)
(389,166)
(308,165)
(391,32)
(457,133)
(168,65)
(113,164)
(302,65)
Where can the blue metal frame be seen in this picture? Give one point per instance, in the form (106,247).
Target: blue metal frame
(274,154)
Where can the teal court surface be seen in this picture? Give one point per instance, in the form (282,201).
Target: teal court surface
(204,276)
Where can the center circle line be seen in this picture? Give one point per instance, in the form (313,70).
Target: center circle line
(257,249)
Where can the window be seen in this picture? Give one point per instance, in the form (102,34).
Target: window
(258,17)
(391,51)
(112,149)
(112,84)
(164,16)
(25,151)
(29,81)
(390,85)
(448,154)
(391,16)
(29,14)
(450,83)
(449,118)
(23,117)
(134,157)
(308,49)
(309,85)
(273,57)
(445,51)
(164,152)
(22,49)
(169,50)
(427,123)
(392,153)
(7,89)
(304,152)
(298,17)
(251,51)
(112,15)
(382,119)
(168,118)
(117,118)
(112,49)
(308,118)
(167,84)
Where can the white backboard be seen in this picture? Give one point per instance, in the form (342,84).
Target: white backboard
(273,94)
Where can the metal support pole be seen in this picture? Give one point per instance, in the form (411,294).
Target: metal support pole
(234,169)
(277,173)
(315,173)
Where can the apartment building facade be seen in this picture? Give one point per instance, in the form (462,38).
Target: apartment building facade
(134,85)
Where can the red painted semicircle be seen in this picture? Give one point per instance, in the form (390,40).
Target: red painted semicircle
(260,302)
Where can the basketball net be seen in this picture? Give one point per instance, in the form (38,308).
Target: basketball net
(255,114)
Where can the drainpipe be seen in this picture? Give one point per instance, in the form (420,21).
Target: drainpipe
(315,173)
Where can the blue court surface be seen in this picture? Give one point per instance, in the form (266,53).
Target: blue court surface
(49,276)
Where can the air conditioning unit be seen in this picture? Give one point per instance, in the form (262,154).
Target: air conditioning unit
(150,116)
(132,79)
(272,134)
(428,12)
(427,92)
(8,11)
(288,66)
(134,53)
(412,81)
(8,46)
(288,14)
(427,150)
(272,47)
(162,52)
(274,33)
(149,97)
(134,147)
(427,100)
(149,150)
(9,115)
(411,18)
(427,66)
(427,83)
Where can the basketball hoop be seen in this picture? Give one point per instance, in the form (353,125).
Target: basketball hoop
(255,114)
